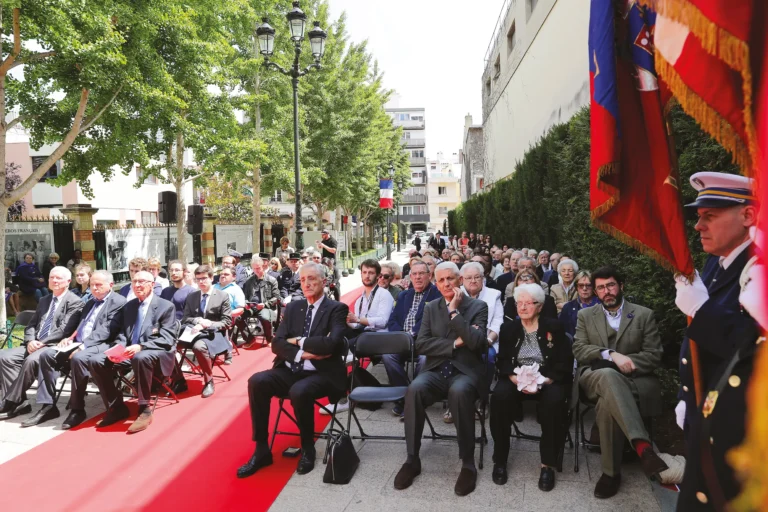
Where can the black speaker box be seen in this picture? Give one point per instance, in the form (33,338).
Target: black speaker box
(195,219)
(166,207)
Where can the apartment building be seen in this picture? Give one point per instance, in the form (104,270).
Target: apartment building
(443,189)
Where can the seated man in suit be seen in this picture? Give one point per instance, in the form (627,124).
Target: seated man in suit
(99,325)
(453,337)
(55,318)
(207,311)
(134,266)
(618,347)
(406,316)
(262,289)
(290,285)
(308,365)
(148,332)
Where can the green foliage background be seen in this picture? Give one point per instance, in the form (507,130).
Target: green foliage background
(545,204)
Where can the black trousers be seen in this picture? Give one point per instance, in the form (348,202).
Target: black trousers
(302,388)
(144,365)
(507,406)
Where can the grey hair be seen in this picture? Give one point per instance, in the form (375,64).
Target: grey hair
(257,261)
(421,263)
(534,290)
(54,255)
(568,261)
(311,265)
(64,271)
(544,251)
(526,258)
(394,267)
(448,265)
(472,265)
(104,274)
(518,252)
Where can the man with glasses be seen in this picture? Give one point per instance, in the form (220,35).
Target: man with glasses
(389,271)
(148,334)
(618,347)
(135,266)
(179,290)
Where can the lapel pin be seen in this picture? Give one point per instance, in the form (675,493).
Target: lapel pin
(630,316)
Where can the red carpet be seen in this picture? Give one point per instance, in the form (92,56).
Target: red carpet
(187,459)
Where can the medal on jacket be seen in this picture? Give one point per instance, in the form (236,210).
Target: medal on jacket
(549,339)
(709,404)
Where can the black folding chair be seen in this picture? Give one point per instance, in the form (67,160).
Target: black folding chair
(518,434)
(183,348)
(164,383)
(20,320)
(318,435)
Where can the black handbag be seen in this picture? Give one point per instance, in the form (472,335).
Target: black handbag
(342,458)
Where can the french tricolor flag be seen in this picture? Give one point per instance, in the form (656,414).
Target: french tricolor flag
(386,194)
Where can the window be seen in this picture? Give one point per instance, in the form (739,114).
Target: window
(417,118)
(407,135)
(150,180)
(418,209)
(497,67)
(403,117)
(442,210)
(413,191)
(417,153)
(442,191)
(277,197)
(148,218)
(488,87)
(52,172)
(511,39)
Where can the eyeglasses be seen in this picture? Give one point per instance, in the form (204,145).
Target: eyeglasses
(141,282)
(526,305)
(474,279)
(419,274)
(585,286)
(526,278)
(385,276)
(201,279)
(607,286)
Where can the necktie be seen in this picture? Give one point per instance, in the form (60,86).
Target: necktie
(295,367)
(137,325)
(81,334)
(48,320)
(203,303)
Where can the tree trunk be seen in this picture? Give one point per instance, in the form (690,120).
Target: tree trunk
(3,223)
(358,247)
(338,219)
(320,213)
(181,208)
(256,184)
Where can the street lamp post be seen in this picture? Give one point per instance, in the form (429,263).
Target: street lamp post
(266,35)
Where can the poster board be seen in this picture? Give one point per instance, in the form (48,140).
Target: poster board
(124,244)
(24,237)
(238,237)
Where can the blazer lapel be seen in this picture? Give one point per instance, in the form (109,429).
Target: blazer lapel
(318,316)
(600,324)
(148,320)
(626,318)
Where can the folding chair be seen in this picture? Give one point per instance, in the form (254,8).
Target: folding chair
(163,381)
(217,361)
(20,320)
(518,434)
(370,344)
(319,435)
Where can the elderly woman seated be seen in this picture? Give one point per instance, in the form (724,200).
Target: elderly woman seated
(549,310)
(585,298)
(525,342)
(565,290)
(458,259)
(472,275)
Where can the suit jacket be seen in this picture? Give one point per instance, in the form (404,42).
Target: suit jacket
(502,282)
(65,318)
(290,286)
(158,330)
(157,289)
(561,296)
(554,345)
(326,336)
(217,310)
(438,332)
(638,338)
(108,320)
(270,293)
(403,305)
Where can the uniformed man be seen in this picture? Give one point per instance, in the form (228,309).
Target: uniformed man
(242,272)
(726,210)
(290,285)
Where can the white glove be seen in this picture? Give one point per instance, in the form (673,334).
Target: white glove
(690,296)
(680,414)
(753,293)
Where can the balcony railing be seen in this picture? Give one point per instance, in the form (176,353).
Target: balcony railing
(437,175)
(411,125)
(414,143)
(414,217)
(414,160)
(415,198)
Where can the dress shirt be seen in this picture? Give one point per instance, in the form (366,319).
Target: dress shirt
(376,310)
(308,366)
(236,295)
(59,301)
(142,313)
(614,320)
(91,319)
(725,261)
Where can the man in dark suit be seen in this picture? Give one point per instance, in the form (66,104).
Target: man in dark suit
(148,333)
(134,266)
(55,318)
(207,312)
(453,337)
(406,316)
(308,365)
(99,325)
(290,285)
(262,289)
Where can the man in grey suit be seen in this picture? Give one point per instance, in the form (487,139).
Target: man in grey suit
(99,325)
(453,338)
(55,318)
(148,333)
(207,312)
(618,347)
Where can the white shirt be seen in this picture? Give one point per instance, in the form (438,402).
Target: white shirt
(615,323)
(308,366)
(377,311)
(495,310)
(59,301)
(91,319)
(725,261)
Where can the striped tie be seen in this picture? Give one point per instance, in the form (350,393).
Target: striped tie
(48,319)
(295,367)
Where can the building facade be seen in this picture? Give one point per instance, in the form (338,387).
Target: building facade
(536,75)
(472,160)
(443,189)
(413,209)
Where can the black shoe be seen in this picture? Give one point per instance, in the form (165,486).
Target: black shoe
(15,410)
(208,389)
(408,472)
(607,486)
(75,418)
(46,412)
(180,386)
(114,415)
(7,406)
(254,464)
(547,479)
(306,464)
(465,484)
(499,474)
(652,463)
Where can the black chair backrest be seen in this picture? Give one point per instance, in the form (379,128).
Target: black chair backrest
(380,343)
(23,318)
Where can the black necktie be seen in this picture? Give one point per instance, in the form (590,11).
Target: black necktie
(48,320)
(295,367)
(203,303)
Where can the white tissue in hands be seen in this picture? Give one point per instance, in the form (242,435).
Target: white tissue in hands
(528,378)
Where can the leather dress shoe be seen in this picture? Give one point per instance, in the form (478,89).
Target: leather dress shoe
(113,416)
(306,464)
(46,412)
(142,422)
(499,474)
(465,484)
(180,386)
(76,417)
(254,464)
(11,409)
(547,479)
(208,389)
(607,486)
(408,472)
(652,463)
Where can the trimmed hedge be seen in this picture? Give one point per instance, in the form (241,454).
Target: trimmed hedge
(544,204)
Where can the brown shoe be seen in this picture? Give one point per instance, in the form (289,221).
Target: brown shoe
(408,472)
(607,486)
(142,422)
(652,463)
(465,484)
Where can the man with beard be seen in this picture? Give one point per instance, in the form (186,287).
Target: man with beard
(618,347)
(179,290)
(371,310)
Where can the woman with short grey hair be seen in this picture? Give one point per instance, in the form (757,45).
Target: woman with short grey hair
(565,290)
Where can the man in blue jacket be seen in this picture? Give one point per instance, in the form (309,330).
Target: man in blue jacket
(406,316)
